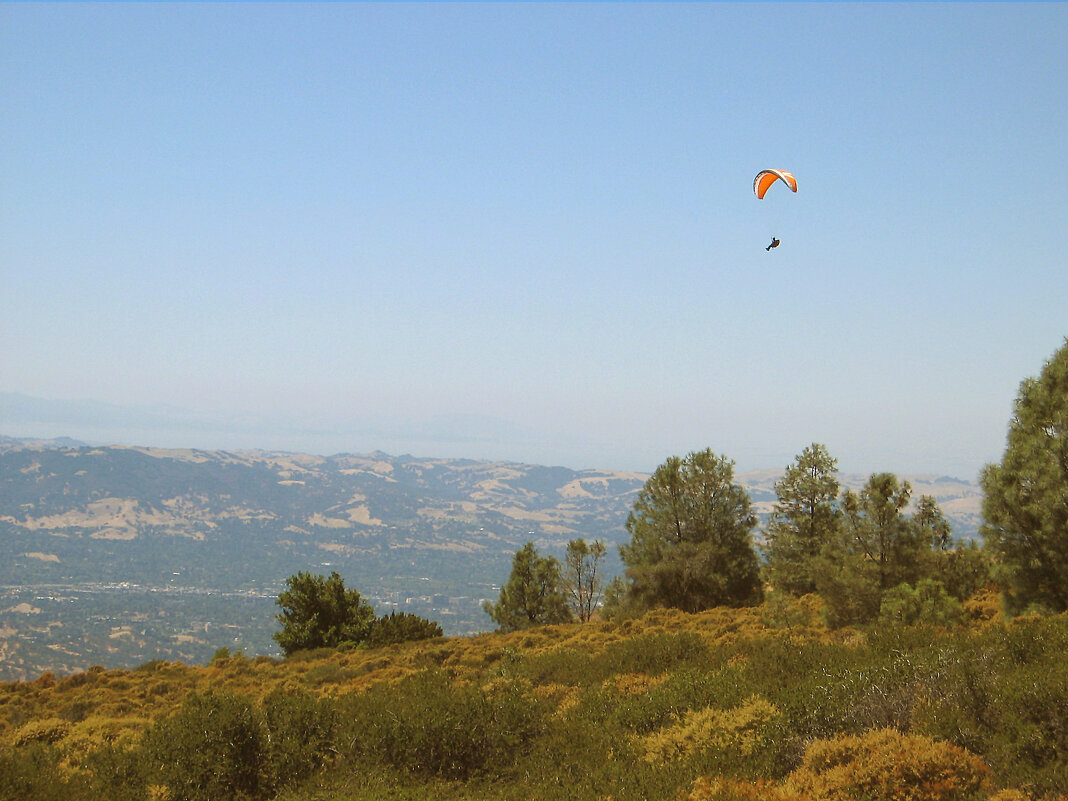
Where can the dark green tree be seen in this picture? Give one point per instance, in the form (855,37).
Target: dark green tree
(962,570)
(691,538)
(880,547)
(877,528)
(1025,503)
(582,577)
(935,530)
(533,596)
(805,519)
(401,627)
(319,612)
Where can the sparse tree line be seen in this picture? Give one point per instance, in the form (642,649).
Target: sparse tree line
(681,707)
(869,554)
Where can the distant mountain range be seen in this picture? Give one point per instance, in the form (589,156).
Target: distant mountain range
(162,528)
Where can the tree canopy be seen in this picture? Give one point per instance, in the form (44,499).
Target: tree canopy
(805,519)
(533,595)
(319,612)
(691,537)
(582,577)
(1025,503)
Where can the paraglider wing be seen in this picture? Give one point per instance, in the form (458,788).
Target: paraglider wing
(765,178)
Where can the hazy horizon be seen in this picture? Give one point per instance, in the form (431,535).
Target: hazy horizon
(470,437)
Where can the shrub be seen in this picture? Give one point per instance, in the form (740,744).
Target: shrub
(654,653)
(118,773)
(889,766)
(300,731)
(927,602)
(403,627)
(428,725)
(740,730)
(721,788)
(1004,695)
(47,731)
(213,748)
(33,773)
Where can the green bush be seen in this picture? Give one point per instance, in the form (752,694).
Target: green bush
(117,773)
(403,627)
(32,773)
(300,731)
(1004,696)
(429,725)
(927,602)
(213,748)
(652,654)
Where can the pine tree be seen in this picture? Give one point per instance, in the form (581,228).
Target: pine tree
(691,538)
(533,595)
(804,520)
(1025,504)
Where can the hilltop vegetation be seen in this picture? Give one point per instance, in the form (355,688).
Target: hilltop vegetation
(762,702)
(117,556)
(707,677)
(101,549)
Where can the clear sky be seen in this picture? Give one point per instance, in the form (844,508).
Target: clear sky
(527,231)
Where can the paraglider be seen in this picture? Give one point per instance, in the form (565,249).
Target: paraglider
(764,181)
(765,178)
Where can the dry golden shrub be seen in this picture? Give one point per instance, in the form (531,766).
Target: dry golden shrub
(720,788)
(890,766)
(632,683)
(983,608)
(97,732)
(738,729)
(45,730)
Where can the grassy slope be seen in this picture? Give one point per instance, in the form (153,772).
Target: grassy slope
(634,710)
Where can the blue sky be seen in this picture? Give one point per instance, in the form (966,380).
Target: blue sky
(527,231)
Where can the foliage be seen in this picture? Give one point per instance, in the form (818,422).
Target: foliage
(402,627)
(877,529)
(49,730)
(805,519)
(533,595)
(691,537)
(927,602)
(1025,504)
(1005,695)
(214,747)
(582,577)
(300,730)
(882,555)
(740,729)
(429,725)
(963,570)
(33,772)
(632,710)
(890,766)
(319,612)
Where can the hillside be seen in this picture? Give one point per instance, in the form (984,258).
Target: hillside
(760,703)
(121,555)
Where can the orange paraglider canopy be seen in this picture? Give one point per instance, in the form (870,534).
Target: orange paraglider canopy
(765,178)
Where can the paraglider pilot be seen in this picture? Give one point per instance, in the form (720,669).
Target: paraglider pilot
(774,244)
